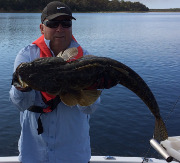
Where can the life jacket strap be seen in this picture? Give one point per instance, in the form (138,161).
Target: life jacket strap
(40,127)
(52,104)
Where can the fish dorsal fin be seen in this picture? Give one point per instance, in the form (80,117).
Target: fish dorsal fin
(68,53)
(82,97)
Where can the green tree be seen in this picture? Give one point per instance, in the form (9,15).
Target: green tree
(75,5)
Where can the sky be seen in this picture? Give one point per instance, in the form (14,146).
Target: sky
(159,4)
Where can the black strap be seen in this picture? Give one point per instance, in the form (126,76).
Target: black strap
(40,127)
(36,109)
(52,104)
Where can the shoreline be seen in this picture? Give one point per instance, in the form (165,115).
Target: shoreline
(150,10)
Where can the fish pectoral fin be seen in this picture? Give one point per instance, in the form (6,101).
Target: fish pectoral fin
(88,97)
(68,53)
(82,97)
(71,98)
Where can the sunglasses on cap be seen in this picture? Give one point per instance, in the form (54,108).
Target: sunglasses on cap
(55,23)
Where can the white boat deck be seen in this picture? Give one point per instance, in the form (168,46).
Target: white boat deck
(172,146)
(99,159)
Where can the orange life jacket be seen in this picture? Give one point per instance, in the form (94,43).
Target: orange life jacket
(45,52)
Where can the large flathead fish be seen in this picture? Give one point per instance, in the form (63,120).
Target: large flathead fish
(77,82)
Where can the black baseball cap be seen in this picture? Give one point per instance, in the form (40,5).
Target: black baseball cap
(55,9)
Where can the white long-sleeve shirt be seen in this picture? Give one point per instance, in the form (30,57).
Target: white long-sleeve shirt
(65,138)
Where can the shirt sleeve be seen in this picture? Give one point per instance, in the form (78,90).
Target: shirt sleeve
(23,100)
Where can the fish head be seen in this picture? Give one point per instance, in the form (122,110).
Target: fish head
(17,81)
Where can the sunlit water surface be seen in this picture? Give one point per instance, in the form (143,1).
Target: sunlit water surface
(149,43)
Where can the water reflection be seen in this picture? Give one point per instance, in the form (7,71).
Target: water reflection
(146,42)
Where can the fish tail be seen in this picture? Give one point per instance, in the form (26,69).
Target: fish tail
(160,131)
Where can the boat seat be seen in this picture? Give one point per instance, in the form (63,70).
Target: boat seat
(172,146)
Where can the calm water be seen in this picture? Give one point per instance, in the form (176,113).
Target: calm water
(149,43)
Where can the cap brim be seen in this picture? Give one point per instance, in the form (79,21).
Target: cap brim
(59,14)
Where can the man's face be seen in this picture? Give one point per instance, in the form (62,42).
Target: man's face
(60,36)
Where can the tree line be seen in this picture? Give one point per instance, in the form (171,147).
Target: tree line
(75,5)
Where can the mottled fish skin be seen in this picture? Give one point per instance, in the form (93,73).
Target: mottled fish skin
(54,75)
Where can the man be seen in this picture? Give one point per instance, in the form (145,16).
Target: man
(57,133)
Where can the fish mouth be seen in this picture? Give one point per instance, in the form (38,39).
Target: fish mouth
(23,84)
(20,82)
